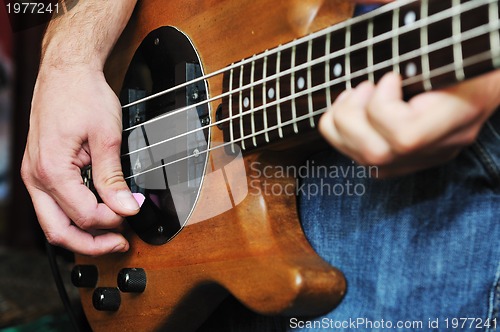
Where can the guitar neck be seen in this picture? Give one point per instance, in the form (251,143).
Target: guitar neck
(282,92)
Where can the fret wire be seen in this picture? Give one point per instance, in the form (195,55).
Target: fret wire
(478,31)
(494,35)
(347,56)
(309,82)
(424,40)
(292,89)
(406,82)
(278,95)
(231,132)
(370,57)
(336,27)
(242,132)
(457,46)
(383,37)
(327,68)
(473,33)
(491,28)
(252,104)
(395,40)
(477,59)
(431,19)
(264,97)
(339,26)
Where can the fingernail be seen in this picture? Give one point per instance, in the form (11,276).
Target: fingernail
(126,200)
(139,198)
(120,248)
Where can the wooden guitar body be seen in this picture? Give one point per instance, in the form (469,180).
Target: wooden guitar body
(256,249)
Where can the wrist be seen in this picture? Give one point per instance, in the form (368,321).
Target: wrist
(482,93)
(490,91)
(52,78)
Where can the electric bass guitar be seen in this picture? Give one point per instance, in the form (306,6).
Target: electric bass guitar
(218,92)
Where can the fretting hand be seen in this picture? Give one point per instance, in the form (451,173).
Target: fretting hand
(374,126)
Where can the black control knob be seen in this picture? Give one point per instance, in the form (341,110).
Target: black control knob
(84,276)
(106,299)
(132,280)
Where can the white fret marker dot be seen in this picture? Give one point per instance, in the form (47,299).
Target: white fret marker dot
(246,102)
(410,18)
(301,83)
(411,69)
(337,70)
(270,93)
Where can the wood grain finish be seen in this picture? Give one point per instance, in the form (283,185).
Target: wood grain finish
(256,250)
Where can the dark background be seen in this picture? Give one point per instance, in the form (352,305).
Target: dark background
(29,300)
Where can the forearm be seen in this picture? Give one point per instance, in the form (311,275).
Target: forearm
(85,33)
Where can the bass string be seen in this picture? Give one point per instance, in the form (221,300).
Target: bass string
(338,26)
(441,16)
(437,72)
(479,31)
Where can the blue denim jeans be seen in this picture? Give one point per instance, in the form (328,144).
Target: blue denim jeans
(421,248)
(421,252)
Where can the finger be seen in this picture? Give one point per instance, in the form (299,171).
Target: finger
(59,230)
(62,179)
(81,206)
(328,127)
(107,172)
(426,119)
(83,155)
(364,144)
(327,122)
(387,112)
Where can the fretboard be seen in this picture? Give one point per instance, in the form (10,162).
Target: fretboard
(282,92)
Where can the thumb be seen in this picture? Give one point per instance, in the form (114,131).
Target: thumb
(108,175)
